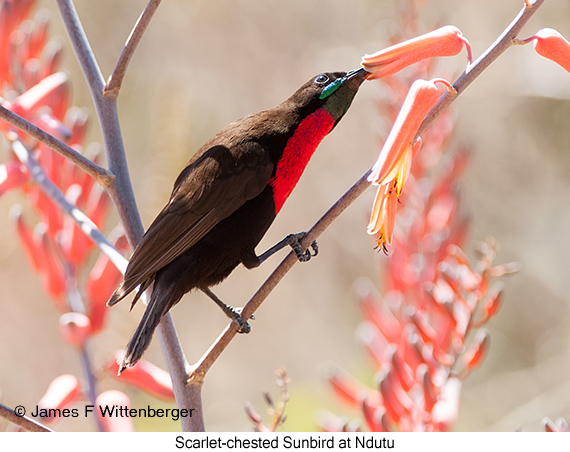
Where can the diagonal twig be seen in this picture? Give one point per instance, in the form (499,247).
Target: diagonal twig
(100,174)
(22,421)
(115,80)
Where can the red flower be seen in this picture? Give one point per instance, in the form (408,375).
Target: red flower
(552,45)
(75,328)
(114,423)
(146,376)
(393,165)
(61,393)
(445,41)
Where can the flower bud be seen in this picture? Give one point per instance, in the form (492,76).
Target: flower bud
(114,423)
(32,248)
(52,91)
(552,45)
(101,283)
(53,274)
(12,175)
(145,376)
(478,351)
(347,388)
(62,392)
(75,328)
(493,301)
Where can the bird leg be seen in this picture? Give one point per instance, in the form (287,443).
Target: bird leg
(294,241)
(230,311)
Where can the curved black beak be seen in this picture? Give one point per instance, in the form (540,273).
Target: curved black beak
(357,76)
(356,72)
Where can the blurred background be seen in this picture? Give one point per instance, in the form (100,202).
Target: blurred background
(201,65)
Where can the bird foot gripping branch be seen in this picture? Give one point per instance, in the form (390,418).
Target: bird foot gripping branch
(232,313)
(294,241)
(235,315)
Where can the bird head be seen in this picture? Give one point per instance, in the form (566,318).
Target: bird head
(332,91)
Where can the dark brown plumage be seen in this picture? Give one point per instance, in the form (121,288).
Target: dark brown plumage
(226,198)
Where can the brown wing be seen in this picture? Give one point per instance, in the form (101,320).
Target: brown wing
(208,190)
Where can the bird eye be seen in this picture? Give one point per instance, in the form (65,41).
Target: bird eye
(321,79)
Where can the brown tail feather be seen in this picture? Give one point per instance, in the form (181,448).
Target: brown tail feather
(163,297)
(143,334)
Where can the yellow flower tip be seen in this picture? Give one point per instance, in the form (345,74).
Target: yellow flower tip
(383,214)
(382,241)
(445,41)
(405,168)
(377,215)
(390,207)
(381,244)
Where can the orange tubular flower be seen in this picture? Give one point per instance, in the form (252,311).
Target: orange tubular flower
(552,45)
(445,41)
(62,392)
(349,389)
(114,423)
(53,274)
(146,376)
(75,328)
(493,301)
(11,15)
(12,175)
(476,354)
(32,248)
(52,90)
(446,409)
(101,283)
(76,119)
(393,166)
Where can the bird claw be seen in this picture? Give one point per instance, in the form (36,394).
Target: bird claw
(244,327)
(294,241)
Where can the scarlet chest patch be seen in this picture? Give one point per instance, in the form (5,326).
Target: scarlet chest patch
(297,154)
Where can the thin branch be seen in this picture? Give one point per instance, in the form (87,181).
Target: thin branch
(472,72)
(51,190)
(81,46)
(101,175)
(115,80)
(22,421)
(91,382)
